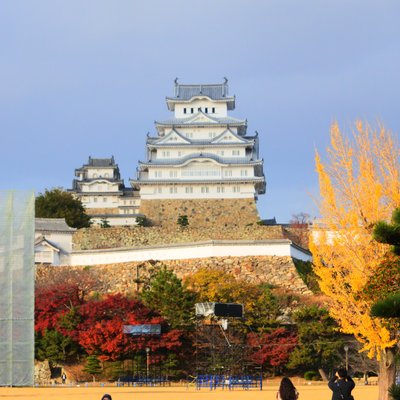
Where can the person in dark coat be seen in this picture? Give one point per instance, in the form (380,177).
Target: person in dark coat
(341,385)
(106,397)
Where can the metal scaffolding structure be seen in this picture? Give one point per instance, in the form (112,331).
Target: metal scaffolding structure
(17,288)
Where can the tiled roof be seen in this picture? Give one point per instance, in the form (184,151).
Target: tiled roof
(217,91)
(222,160)
(101,162)
(52,224)
(213,121)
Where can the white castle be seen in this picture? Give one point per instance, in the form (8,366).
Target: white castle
(201,153)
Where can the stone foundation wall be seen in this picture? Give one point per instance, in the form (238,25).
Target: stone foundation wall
(201,213)
(42,373)
(98,238)
(121,277)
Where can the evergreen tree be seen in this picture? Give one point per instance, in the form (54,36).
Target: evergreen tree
(93,366)
(57,203)
(167,295)
(389,306)
(56,347)
(319,345)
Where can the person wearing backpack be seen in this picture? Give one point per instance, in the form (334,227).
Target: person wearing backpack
(341,385)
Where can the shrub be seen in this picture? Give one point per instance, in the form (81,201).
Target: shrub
(142,221)
(183,221)
(310,375)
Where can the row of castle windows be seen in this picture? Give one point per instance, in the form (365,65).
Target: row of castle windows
(203,189)
(167,154)
(206,109)
(203,172)
(86,199)
(101,176)
(190,135)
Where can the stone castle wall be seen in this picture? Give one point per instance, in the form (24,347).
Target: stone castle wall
(122,277)
(114,237)
(201,212)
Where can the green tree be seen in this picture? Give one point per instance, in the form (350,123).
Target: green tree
(319,345)
(388,305)
(56,347)
(389,233)
(167,295)
(93,366)
(57,203)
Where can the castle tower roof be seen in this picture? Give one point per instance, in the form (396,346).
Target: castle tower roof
(217,92)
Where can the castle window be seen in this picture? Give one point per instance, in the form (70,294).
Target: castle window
(173,189)
(243,172)
(204,189)
(104,199)
(220,189)
(184,110)
(236,189)
(191,110)
(159,189)
(158,174)
(213,110)
(199,109)
(188,189)
(228,172)
(222,152)
(179,153)
(173,174)
(206,110)
(165,153)
(95,199)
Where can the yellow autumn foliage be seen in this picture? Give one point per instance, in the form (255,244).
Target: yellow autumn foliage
(359,185)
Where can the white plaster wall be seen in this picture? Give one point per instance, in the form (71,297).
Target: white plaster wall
(151,192)
(189,251)
(100,172)
(106,201)
(197,170)
(126,220)
(221,109)
(62,240)
(99,186)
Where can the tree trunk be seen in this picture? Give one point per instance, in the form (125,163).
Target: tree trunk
(387,373)
(323,375)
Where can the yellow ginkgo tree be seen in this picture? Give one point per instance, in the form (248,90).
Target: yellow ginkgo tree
(359,185)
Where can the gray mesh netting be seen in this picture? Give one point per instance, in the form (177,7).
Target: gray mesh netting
(17,288)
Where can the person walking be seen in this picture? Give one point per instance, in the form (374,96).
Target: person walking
(106,397)
(341,385)
(287,390)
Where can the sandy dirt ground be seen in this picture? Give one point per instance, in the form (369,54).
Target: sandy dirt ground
(307,392)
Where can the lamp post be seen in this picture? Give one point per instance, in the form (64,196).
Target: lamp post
(346,350)
(147,363)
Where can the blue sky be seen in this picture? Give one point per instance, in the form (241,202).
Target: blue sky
(80,78)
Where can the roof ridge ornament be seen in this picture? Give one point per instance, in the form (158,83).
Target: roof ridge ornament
(176,87)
